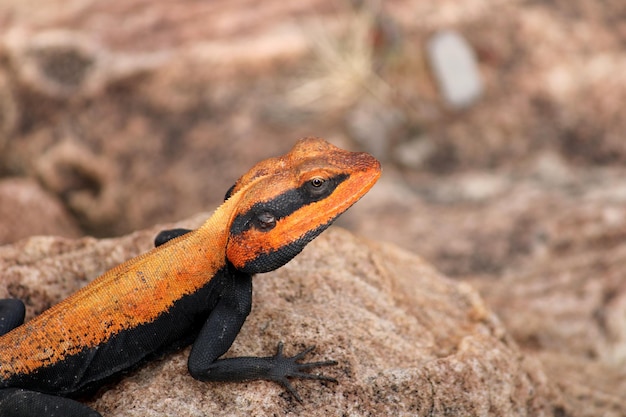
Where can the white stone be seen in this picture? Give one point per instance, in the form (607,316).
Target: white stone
(454,64)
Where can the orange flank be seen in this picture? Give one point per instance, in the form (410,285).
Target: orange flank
(145,288)
(131,294)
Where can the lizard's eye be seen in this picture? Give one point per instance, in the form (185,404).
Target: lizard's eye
(265,222)
(317,186)
(317,182)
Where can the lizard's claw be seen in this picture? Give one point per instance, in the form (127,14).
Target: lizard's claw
(288,367)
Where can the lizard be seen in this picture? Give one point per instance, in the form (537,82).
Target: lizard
(194,287)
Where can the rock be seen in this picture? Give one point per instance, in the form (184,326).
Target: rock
(408,340)
(415,152)
(455,67)
(568,302)
(590,388)
(9,113)
(373,124)
(56,63)
(26,209)
(64,63)
(88,182)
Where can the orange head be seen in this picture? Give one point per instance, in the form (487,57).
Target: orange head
(285,202)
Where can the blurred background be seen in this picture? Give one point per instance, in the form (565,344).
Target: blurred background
(500,126)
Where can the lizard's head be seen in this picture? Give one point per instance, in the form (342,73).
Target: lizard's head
(287,201)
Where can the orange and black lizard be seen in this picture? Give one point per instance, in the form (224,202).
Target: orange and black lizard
(194,287)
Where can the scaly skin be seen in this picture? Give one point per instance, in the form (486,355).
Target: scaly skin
(196,285)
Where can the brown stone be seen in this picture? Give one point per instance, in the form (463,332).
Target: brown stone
(164,112)
(26,209)
(408,340)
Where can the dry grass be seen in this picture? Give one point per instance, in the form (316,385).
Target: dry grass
(342,67)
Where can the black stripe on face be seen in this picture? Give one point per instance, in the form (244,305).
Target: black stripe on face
(269,261)
(285,204)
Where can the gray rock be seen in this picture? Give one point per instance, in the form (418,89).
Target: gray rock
(373,125)
(408,340)
(454,64)
(27,209)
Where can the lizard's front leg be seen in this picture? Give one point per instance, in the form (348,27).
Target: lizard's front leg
(220,331)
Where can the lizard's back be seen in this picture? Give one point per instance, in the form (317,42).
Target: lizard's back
(149,304)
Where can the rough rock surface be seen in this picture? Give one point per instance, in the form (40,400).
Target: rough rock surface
(522,194)
(408,340)
(547,254)
(26,209)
